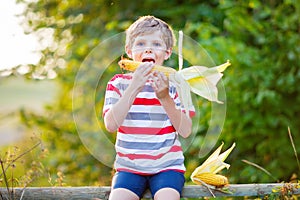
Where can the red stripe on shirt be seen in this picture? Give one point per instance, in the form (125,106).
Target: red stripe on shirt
(146,130)
(122,76)
(144,101)
(192,113)
(150,157)
(110,87)
(145,174)
(104,112)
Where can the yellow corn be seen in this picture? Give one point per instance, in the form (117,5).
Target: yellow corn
(131,65)
(211,179)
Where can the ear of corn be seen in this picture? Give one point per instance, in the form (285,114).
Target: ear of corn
(133,65)
(215,162)
(207,172)
(211,179)
(200,80)
(203,80)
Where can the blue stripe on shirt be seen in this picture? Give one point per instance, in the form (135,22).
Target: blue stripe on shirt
(122,86)
(111,101)
(146,116)
(150,167)
(147,88)
(145,145)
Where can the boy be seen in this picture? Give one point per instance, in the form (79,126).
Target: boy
(144,109)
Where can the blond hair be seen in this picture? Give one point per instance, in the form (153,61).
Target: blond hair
(147,25)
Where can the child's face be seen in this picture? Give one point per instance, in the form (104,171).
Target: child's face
(149,48)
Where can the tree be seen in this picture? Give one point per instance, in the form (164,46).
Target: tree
(261,85)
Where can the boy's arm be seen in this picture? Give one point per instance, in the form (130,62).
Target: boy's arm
(179,120)
(117,113)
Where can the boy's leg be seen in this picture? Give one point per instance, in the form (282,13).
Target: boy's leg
(121,193)
(167,193)
(167,184)
(127,186)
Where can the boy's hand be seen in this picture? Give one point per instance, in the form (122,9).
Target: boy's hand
(141,75)
(160,85)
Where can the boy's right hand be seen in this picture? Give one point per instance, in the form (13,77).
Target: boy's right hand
(141,75)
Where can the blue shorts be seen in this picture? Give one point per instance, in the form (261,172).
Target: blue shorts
(139,183)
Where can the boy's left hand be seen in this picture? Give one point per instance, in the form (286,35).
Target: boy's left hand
(160,85)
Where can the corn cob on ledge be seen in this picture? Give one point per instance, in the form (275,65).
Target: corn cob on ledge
(200,80)
(207,172)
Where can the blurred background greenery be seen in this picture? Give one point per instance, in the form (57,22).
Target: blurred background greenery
(260,38)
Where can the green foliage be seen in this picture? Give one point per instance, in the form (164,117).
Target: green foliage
(262,86)
(13,159)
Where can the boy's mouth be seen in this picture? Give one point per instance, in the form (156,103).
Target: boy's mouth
(148,60)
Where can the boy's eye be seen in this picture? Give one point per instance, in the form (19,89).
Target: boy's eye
(157,44)
(139,43)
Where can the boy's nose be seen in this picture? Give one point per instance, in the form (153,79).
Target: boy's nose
(148,50)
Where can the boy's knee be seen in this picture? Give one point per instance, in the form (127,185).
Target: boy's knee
(122,193)
(167,193)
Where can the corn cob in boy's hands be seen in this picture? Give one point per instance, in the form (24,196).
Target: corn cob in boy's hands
(207,172)
(131,65)
(197,79)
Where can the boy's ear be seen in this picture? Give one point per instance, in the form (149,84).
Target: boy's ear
(128,51)
(168,53)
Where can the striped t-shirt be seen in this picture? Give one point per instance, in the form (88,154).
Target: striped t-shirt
(146,142)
